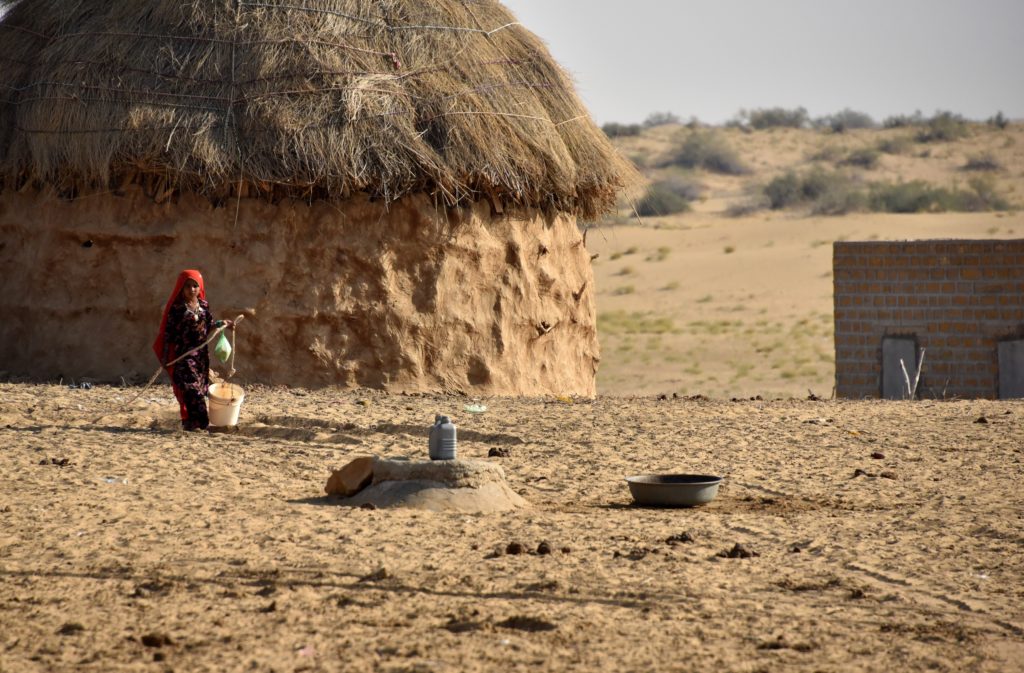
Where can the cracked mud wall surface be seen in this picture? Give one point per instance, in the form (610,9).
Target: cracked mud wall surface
(408,297)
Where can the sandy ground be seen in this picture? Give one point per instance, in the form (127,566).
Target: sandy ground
(126,545)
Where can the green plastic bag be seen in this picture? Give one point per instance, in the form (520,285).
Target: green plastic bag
(222,349)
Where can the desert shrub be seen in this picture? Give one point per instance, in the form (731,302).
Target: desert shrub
(828,152)
(943,127)
(903,197)
(708,150)
(982,162)
(903,121)
(776,117)
(748,205)
(738,122)
(660,119)
(897,145)
(984,194)
(845,120)
(784,191)
(664,197)
(840,196)
(688,188)
(835,193)
(865,157)
(920,197)
(999,121)
(617,130)
(827,193)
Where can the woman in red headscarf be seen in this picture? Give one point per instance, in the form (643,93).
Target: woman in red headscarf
(185,325)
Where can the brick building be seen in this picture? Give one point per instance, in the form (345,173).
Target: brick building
(960,301)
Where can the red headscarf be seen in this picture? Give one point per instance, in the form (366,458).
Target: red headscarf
(158,345)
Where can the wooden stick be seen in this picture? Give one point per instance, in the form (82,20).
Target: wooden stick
(917,377)
(906,376)
(153,378)
(912,389)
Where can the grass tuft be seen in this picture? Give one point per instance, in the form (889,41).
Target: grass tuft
(635,322)
(660,255)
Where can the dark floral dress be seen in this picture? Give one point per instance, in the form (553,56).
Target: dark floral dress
(190,377)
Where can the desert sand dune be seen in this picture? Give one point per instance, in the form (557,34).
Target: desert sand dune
(704,302)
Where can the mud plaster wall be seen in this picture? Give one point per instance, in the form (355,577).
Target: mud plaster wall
(409,297)
(957,298)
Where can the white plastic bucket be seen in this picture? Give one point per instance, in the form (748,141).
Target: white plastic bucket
(225,403)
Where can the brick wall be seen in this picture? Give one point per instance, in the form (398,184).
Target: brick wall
(958,298)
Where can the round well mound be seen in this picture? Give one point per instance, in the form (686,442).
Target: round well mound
(440,485)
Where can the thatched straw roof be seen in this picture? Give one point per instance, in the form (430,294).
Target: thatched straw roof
(312,98)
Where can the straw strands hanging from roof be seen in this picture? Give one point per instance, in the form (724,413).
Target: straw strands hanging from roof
(318,98)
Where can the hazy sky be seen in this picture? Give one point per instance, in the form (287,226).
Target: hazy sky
(709,58)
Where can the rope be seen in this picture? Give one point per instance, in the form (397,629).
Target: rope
(153,378)
(231,367)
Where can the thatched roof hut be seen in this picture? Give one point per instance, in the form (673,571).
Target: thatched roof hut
(391,187)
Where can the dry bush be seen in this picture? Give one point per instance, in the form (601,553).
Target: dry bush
(776,117)
(865,157)
(616,130)
(709,150)
(998,120)
(845,120)
(827,193)
(896,145)
(660,119)
(918,196)
(943,127)
(982,162)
